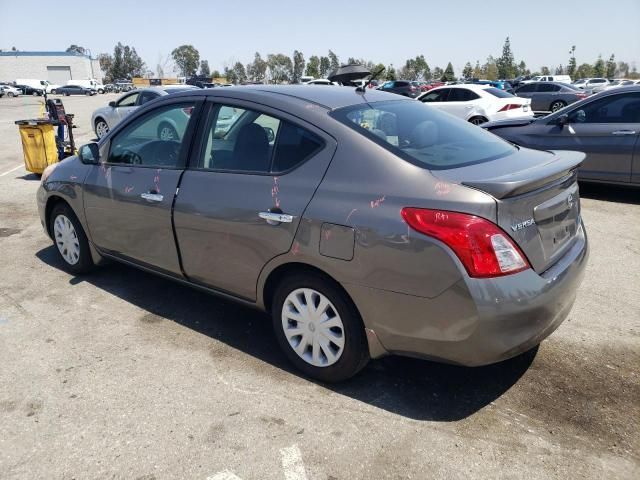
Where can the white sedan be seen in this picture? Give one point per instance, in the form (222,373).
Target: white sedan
(477,103)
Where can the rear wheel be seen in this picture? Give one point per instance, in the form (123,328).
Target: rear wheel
(70,240)
(318,328)
(477,120)
(557,105)
(54,91)
(35,93)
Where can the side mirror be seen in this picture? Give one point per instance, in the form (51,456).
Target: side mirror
(563,120)
(112,104)
(89,154)
(270,135)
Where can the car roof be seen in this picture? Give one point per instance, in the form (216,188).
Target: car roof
(330,97)
(471,86)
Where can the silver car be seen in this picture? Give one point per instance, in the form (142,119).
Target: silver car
(105,118)
(366,224)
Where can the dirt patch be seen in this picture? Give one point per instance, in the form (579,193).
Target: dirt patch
(151,318)
(7,232)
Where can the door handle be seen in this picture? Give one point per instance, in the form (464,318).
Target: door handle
(152,197)
(623,132)
(274,218)
(469,106)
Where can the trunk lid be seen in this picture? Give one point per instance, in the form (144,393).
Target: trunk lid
(537,199)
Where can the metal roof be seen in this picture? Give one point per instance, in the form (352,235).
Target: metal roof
(41,54)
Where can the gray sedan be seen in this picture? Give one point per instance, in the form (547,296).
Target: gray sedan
(366,224)
(550,96)
(105,118)
(605,126)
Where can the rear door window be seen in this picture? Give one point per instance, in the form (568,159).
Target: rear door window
(423,136)
(243,140)
(461,95)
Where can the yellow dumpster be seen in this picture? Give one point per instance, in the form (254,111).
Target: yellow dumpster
(38,144)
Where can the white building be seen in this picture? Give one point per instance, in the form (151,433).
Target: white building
(57,67)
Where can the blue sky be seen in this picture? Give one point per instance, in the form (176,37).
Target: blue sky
(541,31)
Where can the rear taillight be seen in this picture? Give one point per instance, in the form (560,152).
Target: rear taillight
(483,248)
(510,106)
(581,95)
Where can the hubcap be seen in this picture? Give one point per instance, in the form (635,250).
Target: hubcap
(66,239)
(313,327)
(166,133)
(556,107)
(102,129)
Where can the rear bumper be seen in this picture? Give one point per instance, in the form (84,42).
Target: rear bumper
(477,321)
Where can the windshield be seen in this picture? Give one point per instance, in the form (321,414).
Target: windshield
(423,135)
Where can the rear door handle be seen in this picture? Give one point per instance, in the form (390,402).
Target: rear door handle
(274,218)
(152,197)
(624,132)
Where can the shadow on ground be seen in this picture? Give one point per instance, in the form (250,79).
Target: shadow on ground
(610,193)
(417,389)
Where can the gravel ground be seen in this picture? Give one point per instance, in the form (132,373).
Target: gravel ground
(121,374)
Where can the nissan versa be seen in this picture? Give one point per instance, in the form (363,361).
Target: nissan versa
(365,223)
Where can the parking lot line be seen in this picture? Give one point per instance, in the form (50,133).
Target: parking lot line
(292,463)
(12,170)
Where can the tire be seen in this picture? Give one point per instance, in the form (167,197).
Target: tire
(557,105)
(10,95)
(101,127)
(167,132)
(332,362)
(477,120)
(54,91)
(35,93)
(66,94)
(70,240)
(88,93)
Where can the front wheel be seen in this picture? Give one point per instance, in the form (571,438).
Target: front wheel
(10,95)
(70,240)
(557,105)
(167,132)
(318,328)
(101,128)
(477,120)
(54,91)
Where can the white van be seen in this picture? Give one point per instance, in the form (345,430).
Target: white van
(91,83)
(39,84)
(555,78)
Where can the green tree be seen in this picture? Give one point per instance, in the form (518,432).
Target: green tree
(584,71)
(437,73)
(325,66)
(76,49)
(467,71)
(187,59)
(298,66)
(313,67)
(559,70)
(106,61)
(599,67)
(257,70)
(390,73)
(132,63)
(239,72)
(477,70)
(545,71)
(230,75)
(216,74)
(204,68)
(280,68)
(522,68)
(506,63)
(449,75)
(622,70)
(611,66)
(573,66)
(333,60)
(490,69)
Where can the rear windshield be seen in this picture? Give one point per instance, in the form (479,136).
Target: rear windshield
(423,135)
(496,92)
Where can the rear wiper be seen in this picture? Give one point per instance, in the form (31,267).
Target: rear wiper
(373,77)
